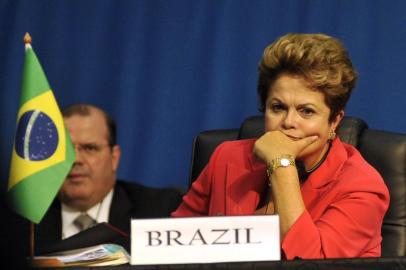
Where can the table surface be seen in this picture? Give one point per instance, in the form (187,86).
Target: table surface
(330,264)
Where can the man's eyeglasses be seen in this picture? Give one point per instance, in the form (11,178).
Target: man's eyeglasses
(90,149)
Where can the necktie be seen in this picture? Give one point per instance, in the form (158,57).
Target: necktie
(83,222)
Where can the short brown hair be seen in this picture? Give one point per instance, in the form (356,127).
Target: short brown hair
(320,59)
(84,110)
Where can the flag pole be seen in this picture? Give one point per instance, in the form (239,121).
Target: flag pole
(32,240)
(27,38)
(27,42)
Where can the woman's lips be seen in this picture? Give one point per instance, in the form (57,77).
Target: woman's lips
(293,137)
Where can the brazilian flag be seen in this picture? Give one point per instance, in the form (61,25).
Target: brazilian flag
(43,153)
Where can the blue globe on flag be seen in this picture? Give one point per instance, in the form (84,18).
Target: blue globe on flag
(36,137)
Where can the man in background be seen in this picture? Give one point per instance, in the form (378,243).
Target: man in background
(91,193)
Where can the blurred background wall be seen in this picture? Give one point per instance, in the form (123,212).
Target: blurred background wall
(168,69)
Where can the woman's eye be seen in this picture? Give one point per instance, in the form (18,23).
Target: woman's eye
(306,111)
(277,107)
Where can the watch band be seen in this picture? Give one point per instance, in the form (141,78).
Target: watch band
(281,161)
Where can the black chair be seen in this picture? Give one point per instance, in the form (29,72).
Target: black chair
(384,150)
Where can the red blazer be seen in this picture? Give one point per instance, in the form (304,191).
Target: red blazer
(345,198)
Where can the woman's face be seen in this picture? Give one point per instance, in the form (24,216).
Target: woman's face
(299,111)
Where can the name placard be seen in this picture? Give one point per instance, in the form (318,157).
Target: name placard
(205,240)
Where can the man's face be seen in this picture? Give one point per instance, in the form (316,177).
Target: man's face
(94,171)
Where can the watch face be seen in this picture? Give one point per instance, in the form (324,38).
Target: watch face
(285,162)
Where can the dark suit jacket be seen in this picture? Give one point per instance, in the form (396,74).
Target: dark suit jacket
(15,236)
(130,200)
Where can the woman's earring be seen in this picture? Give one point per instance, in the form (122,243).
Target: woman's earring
(331,135)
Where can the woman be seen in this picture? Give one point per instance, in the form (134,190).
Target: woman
(330,201)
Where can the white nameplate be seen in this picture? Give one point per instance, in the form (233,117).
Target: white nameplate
(204,240)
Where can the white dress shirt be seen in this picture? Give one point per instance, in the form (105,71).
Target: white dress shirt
(99,212)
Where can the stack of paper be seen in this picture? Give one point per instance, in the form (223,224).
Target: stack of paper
(100,255)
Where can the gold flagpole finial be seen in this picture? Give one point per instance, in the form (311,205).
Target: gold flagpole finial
(27,38)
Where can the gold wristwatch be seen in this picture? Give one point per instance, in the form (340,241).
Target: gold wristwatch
(282,161)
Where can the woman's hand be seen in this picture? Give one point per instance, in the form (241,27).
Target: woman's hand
(286,194)
(273,144)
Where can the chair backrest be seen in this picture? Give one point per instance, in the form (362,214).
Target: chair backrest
(349,131)
(386,151)
(204,145)
(205,142)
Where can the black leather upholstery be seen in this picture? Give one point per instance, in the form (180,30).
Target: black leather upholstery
(204,145)
(386,151)
(350,129)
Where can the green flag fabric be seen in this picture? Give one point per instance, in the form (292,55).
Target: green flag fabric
(43,152)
